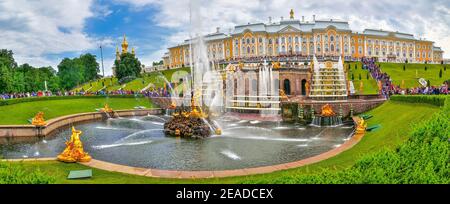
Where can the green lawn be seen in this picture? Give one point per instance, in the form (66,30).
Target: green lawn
(18,114)
(395,70)
(97,85)
(396,119)
(369,85)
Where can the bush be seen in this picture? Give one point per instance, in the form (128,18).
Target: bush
(33,99)
(15,173)
(433,100)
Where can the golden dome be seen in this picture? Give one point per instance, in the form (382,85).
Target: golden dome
(124,44)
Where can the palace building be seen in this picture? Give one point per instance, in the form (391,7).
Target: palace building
(303,39)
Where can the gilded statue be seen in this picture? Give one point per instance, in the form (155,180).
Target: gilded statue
(39,120)
(74,151)
(327,111)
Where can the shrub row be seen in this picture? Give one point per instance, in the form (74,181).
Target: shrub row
(33,99)
(15,173)
(423,159)
(433,100)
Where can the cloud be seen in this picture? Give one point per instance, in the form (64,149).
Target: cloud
(35,29)
(423,18)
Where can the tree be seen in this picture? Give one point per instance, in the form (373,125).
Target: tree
(404,67)
(127,67)
(7,58)
(90,66)
(353,77)
(445,68)
(367,76)
(360,76)
(6,80)
(426,68)
(356,66)
(440,73)
(70,73)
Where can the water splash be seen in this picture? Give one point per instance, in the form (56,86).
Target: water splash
(231,155)
(122,144)
(138,133)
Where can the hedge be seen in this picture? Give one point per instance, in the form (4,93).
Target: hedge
(15,173)
(437,100)
(33,99)
(423,159)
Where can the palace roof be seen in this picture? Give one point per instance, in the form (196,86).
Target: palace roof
(295,24)
(384,33)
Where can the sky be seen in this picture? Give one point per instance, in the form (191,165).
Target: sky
(43,32)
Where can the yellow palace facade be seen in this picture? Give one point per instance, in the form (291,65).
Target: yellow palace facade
(303,39)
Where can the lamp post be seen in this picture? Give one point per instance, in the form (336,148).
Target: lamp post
(101,55)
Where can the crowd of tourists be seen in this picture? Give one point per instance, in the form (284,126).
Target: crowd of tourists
(388,88)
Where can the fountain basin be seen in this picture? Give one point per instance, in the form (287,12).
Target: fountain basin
(141,142)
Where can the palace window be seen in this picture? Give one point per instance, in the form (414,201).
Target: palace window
(331,38)
(296,39)
(283,40)
(260,40)
(290,39)
(376,42)
(270,41)
(311,48)
(248,50)
(326,47)
(326,37)
(359,41)
(360,50)
(318,37)
(318,48)
(253,50)
(332,48)
(253,40)
(353,49)
(276,41)
(346,48)
(377,51)
(237,42)
(283,49)
(370,51)
(297,49)
(369,41)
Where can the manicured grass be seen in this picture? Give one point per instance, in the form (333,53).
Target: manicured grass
(156,78)
(97,85)
(396,119)
(369,85)
(397,74)
(18,114)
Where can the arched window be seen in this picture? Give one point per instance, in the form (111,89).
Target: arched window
(304,87)
(270,41)
(332,48)
(331,38)
(287,87)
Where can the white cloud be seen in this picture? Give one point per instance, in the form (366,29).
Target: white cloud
(33,29)
(423,18)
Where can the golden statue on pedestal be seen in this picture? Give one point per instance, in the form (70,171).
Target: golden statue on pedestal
(361,126)
(327,111)
(74,151)
(106,109)
(39,120)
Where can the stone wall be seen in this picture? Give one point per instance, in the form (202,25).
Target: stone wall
(358,106)
(64,121)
